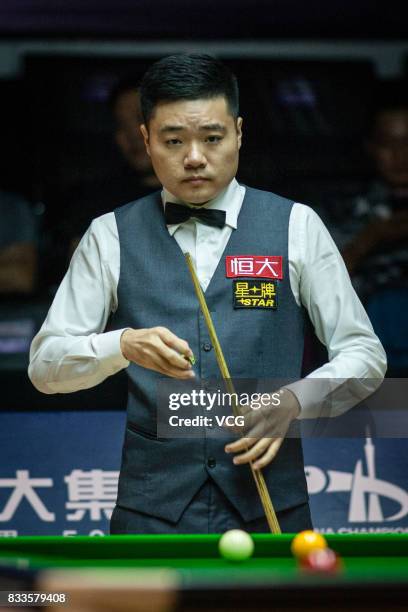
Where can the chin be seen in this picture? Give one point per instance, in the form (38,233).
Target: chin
(195,196)
(199,201)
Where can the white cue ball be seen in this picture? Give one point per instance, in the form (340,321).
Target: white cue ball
(236,545)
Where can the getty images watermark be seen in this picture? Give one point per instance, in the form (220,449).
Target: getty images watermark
(213,400)
(329,408)
(219,411)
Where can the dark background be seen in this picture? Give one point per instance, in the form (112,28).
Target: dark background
(226,19)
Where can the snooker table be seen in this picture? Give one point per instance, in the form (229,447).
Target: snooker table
(165,573)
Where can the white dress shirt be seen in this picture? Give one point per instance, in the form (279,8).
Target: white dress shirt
(71,351)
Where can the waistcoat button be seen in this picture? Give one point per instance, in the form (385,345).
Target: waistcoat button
(211,462)
(207,346)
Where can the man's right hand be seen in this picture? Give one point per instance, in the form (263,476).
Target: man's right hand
(157,348)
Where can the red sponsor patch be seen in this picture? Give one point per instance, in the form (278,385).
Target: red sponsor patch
(256,266)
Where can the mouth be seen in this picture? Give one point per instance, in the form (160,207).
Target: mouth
(195,180)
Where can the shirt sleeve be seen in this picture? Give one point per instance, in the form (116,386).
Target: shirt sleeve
(71,351)
(320,282)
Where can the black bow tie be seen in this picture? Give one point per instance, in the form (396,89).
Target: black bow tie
(176,213)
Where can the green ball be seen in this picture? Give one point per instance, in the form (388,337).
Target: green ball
(236,545)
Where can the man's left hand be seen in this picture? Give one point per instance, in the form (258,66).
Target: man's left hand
(265,430)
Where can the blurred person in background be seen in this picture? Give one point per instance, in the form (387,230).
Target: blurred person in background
(135,177)
(371,228)
(18,245)
(126,111)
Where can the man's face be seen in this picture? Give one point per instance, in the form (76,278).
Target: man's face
(389,147)
(128,118)
(194,146)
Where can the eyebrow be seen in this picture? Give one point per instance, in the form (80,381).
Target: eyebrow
(214,127)
(209,127)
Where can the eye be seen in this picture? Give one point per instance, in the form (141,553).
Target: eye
(213,139)
(171,142)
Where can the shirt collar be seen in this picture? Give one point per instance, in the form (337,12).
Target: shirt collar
(230,200)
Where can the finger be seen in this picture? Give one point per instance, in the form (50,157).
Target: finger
(173,358)
(240,445)
(161,365)
(253,453)
(269,455)
(172,341)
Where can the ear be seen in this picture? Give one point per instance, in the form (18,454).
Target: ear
(239,131)
(145,135)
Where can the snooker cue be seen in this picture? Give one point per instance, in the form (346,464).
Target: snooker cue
(257,474)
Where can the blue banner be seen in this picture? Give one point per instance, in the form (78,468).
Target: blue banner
(59,471)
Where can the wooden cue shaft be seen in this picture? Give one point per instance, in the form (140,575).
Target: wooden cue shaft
(257,474)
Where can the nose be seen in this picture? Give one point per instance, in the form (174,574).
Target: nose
(194,158)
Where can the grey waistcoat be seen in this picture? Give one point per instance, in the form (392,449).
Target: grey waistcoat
(160,476)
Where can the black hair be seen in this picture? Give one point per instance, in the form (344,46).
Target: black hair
(128,83)
(388,95)
(187,76)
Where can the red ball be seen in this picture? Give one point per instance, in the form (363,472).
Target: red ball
(323,560)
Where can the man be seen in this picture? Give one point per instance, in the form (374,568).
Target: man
(124,102)
(372,227)
(134,176)
(130,267)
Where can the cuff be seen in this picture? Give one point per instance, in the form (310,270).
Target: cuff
(107,348)
(311,395)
